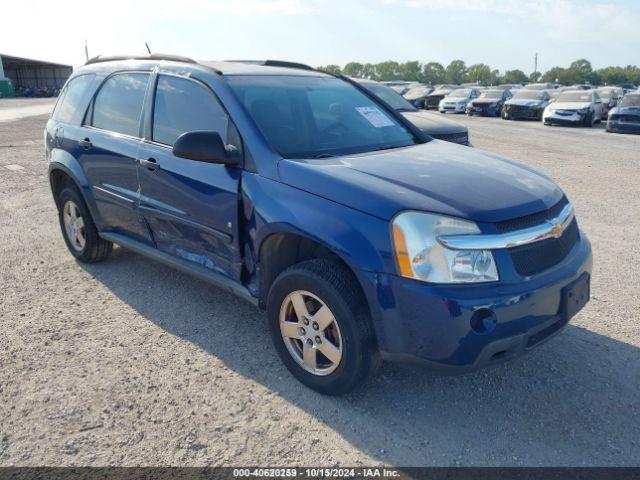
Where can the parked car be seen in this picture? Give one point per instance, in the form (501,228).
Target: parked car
(510,86)
(627,87)
(625,117)
(433,99)
(457,100)
(526,104)
(302,193)
(574,107)
(610,97)
(490,103)
(437,127)
(418,95)
(400,86)
(539,86)
(582,86)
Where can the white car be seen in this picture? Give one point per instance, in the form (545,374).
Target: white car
(574,107)
(457,100)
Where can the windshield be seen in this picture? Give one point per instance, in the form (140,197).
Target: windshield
(574,96)
(390,96)
(605,94)
(311,117)
(417,92)
(536,86)
(630,101)
(528,95)
(491,94)
(461,93)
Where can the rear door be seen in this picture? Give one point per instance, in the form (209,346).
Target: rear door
(190,206)
(108,144)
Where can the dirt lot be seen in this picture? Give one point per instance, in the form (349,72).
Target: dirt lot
(131,363)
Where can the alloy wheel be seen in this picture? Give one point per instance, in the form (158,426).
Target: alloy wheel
(311,333)
(74,226)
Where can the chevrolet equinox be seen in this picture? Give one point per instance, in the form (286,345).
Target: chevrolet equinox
(362,238)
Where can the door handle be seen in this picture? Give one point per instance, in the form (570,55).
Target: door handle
(85,143)
(149,163)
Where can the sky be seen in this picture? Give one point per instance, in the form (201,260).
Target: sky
(502,33)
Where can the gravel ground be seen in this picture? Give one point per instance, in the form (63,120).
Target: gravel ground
(131,363)
(14,108)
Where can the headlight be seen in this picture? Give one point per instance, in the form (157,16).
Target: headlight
(583,111)
(419,255)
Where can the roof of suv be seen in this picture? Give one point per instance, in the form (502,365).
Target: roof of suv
(231,67)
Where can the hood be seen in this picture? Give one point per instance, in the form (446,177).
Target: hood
(570,105)
(415,96)
(627,110)
(524,102)
(455,99)
(436,177)
(486,101)
(434,125)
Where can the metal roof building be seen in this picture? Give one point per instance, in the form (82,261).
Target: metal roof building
(25,72)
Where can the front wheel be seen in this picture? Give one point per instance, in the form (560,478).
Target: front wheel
(320,326)
(589,119)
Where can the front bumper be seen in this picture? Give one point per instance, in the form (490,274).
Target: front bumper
(623,127)
(483,110)
(453,108)
(432,102)
(432,324)
(557,119)
(522,113)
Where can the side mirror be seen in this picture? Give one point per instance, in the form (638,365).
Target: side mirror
(205,146)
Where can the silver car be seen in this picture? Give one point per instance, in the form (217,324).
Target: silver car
(574,107)
(457,100)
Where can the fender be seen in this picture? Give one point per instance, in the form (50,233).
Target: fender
(62,160)
(362,241)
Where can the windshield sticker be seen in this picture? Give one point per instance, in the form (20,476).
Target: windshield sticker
(375,117)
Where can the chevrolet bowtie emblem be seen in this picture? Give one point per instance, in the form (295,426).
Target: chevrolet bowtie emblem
(557,228)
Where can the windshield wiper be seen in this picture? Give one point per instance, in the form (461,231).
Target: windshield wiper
(324,155)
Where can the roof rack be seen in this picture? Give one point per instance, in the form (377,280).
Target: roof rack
(276,63)
(153,56)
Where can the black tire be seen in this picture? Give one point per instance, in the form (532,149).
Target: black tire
(338,289)
(588,120)
(95,248)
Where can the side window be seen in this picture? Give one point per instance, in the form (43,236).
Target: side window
(118,105)
(70,98)
(183,105)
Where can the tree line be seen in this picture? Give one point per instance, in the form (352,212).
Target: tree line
(458,72)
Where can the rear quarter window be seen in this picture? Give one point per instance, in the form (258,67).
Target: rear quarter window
(71,99)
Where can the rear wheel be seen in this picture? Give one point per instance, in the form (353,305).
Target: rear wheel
(320,326)
(78,228)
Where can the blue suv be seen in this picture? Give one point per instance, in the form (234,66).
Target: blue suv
(300,191)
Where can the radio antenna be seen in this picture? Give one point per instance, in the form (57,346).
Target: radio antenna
(148,49)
